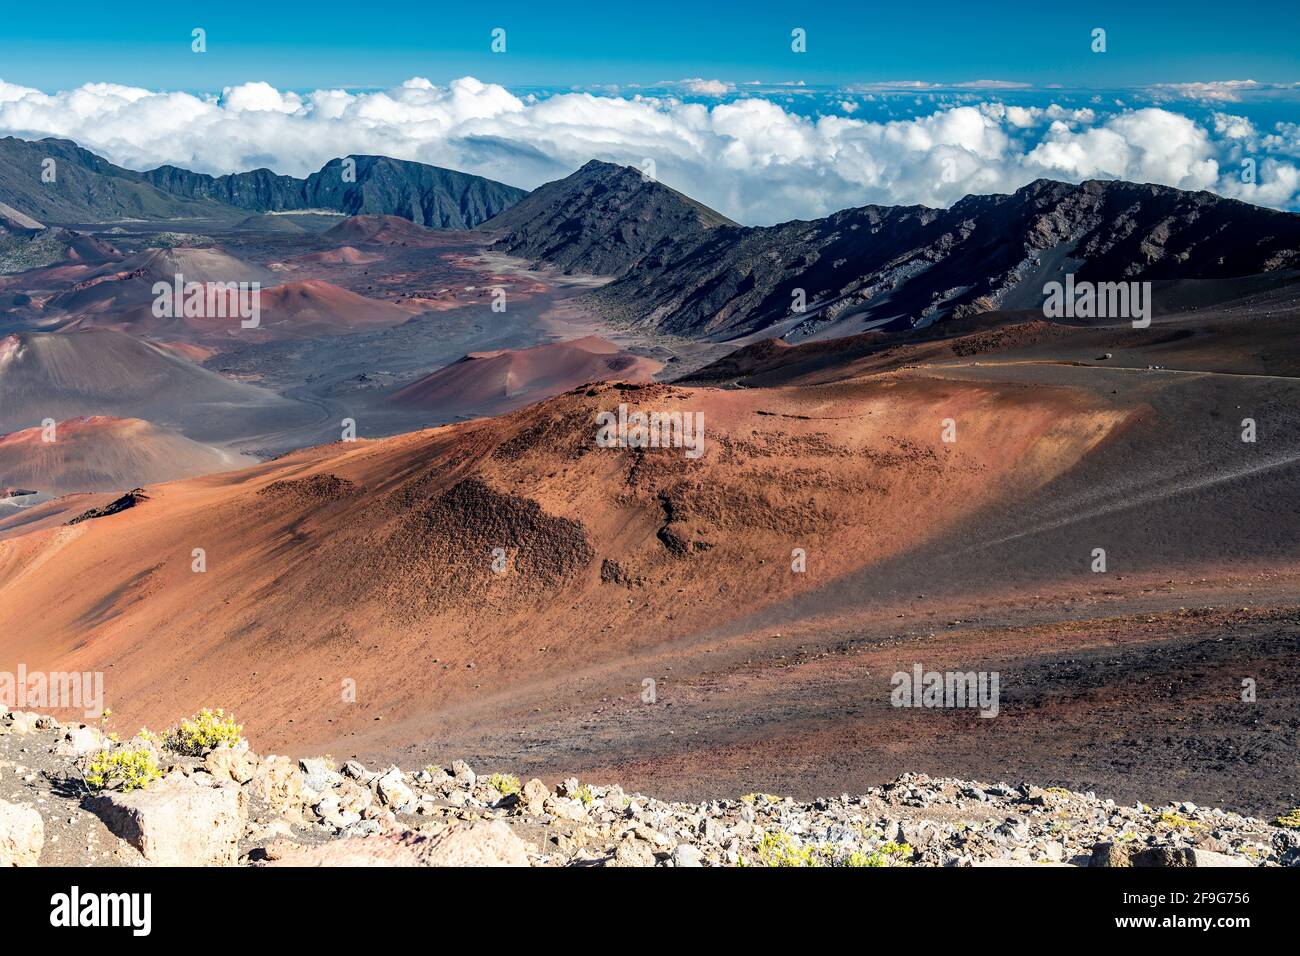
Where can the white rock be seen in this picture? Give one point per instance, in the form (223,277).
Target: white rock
(22,834)
(686,855)
(393,790)
(177,823)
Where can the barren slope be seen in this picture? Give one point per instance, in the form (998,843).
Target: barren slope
(105,454)
(102,372)
(489,383)
(374,562)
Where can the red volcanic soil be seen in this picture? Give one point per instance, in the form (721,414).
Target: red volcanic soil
(315,307)
(382,231)
(105,454)
(122,297)
(83,248)
(121,294)
(344,255)
(496,382)
(827,537)
(373,561)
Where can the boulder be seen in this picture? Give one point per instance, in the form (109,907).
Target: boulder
(358,772)
(392,789)
(80,741)
(176,822)
(1181,856)
(1111,854)
(534,797)
(566,809)
(277,781)
(490,843)
(632,852)
(319,774)
(229,763)
(686,855)
(19,722)
(334,815)
(1118,854)
(22,834)
(473,844)
(353,796)
(387,851)
(465,777)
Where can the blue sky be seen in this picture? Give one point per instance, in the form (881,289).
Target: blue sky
(379,42)
(885,106)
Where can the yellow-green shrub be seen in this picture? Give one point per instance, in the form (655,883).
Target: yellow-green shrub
(206,730)
(124,769)
(780,849)
(504,783)
(1171,819)
(1290,819)
(890,854)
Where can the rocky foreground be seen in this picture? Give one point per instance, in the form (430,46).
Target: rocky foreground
(229,806)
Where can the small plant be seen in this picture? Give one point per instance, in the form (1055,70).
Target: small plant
(122,769)
(1290,819)
(754,798)
(206,730)
(505,784)
(889,854)
(781,849)
(585,795)
(1171,819)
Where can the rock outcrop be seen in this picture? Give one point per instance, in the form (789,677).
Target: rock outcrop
(232,806)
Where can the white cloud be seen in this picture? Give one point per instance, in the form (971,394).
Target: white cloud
(1149,145)
(1225,91)
(1234,127)
(707,87)
(262,97)
(751,158)
(1286,140)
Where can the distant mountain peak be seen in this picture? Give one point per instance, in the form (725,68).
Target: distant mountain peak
(603,219)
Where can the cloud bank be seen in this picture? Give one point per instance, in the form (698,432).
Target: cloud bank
(748,157)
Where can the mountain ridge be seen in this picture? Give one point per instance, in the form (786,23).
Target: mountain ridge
(88,188)
(427,195)
(890,267)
